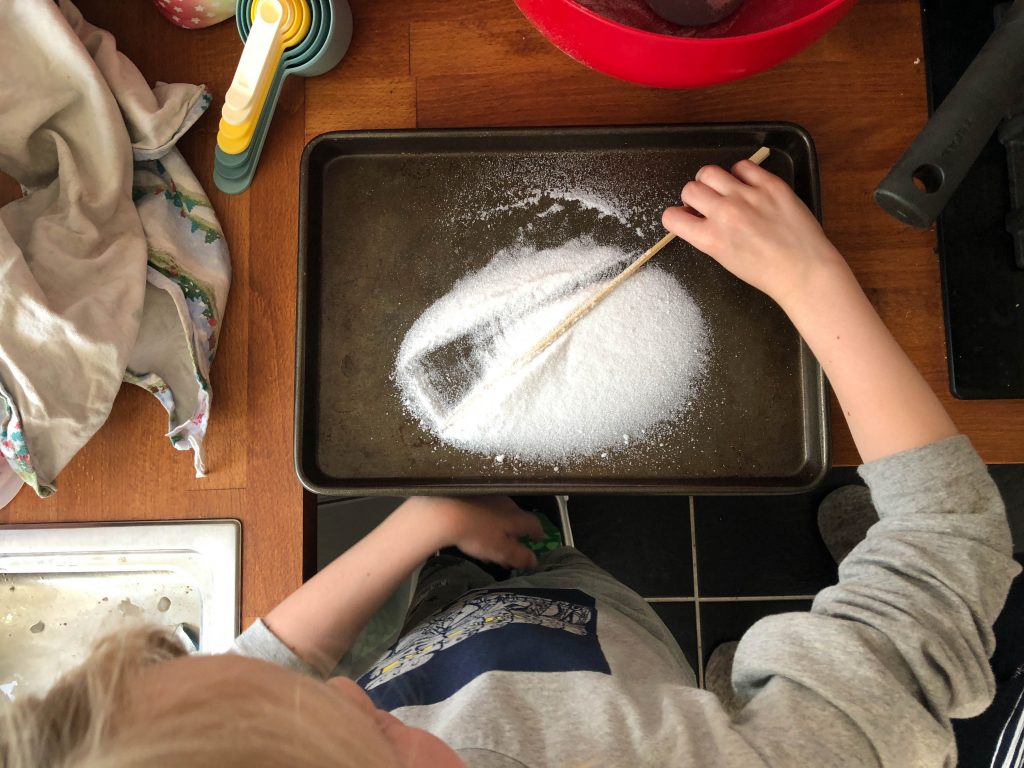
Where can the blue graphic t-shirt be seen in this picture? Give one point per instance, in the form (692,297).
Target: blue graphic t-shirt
(485,631)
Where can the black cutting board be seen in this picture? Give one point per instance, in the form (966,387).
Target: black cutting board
(390,220)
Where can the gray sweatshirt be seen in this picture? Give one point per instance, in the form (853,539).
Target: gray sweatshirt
(567,667)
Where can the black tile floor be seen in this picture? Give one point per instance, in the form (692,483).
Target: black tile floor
(709,566)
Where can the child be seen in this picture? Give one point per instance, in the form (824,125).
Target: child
(565,666)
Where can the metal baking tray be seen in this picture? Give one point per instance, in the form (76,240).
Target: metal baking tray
(63,586)
(390,220)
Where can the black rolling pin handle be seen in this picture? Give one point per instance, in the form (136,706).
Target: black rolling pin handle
(922,182)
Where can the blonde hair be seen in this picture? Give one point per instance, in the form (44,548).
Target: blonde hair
(78,723)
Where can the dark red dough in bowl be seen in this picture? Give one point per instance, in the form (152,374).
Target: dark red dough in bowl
(694,13)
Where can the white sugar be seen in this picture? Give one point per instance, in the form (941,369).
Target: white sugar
(593,201)
(529,199)
(588,200)
(633,364)
(581,189)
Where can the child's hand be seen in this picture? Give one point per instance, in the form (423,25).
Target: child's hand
(322,619)
(488,528)
(754,226)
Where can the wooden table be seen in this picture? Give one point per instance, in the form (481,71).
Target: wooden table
(440,63)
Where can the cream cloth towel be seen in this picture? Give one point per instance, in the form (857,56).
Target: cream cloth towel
(112,265)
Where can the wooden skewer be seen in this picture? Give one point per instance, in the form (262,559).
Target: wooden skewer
(760,156)
(583,309)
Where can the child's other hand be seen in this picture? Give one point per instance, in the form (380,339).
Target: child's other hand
(753,225)
(488,528)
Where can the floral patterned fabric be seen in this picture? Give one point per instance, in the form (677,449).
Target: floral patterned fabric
(188,277)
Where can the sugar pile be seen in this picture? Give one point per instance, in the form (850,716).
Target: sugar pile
(632,364)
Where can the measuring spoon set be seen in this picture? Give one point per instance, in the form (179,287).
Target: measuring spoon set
(282,37)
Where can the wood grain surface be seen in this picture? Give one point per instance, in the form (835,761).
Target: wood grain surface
(438,63)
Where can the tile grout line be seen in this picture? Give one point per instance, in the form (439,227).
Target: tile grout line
(669,599)
(754,598)
(696,596)
(736,599)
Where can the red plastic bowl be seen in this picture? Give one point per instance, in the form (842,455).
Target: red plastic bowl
(758,36)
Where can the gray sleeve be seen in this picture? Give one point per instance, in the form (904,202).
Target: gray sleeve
(874,672)
(259,642)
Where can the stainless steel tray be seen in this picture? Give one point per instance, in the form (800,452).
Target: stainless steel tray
(63,586)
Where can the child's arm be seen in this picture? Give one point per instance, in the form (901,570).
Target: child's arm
(760,231)
(322,618)
(883,660)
